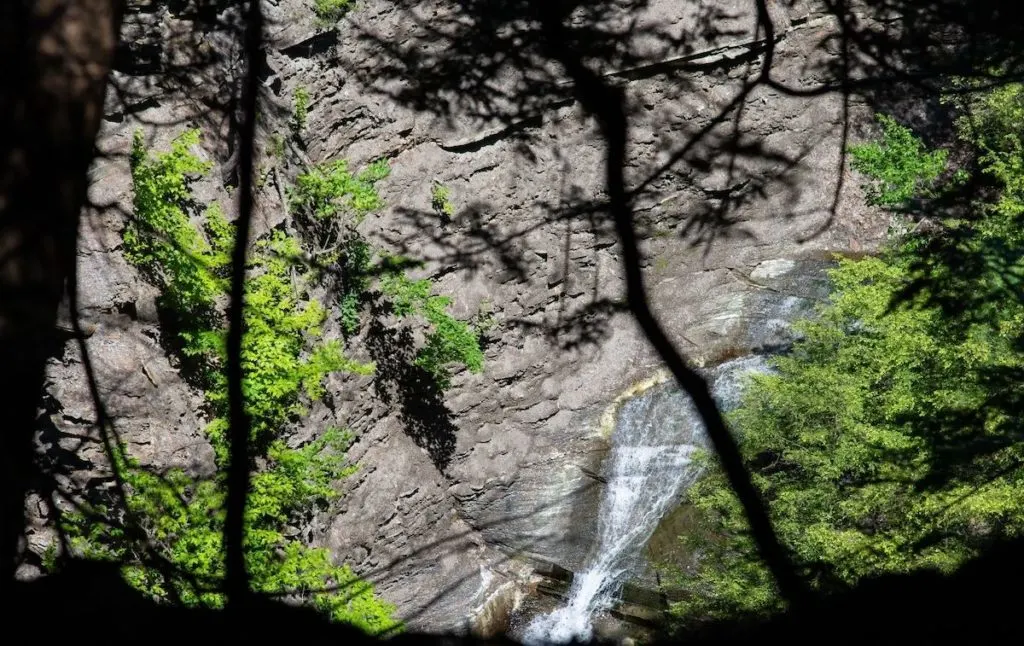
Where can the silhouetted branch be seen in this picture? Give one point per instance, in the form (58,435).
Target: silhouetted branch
(607,104)
(236,579)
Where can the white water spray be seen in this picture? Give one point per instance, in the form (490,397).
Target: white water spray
(650,465)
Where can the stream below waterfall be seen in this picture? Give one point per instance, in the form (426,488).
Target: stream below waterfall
(648,469)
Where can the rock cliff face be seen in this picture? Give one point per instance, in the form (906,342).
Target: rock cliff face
(522,439)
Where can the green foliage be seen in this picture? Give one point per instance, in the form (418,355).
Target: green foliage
(302,477)
(408,296)
(300,111)
(331,11)
(355,267)
(276,146)
(330,190)
(49,558)
(330,202)
(184,518)
(889,439)
(846,443)
(484,322)
(976,266)
(161,239)
(898,165)
(449,341)
(993,125)
(178,521)
(988,248)
(441,202)
(375,172)
(279,364)
(167,533)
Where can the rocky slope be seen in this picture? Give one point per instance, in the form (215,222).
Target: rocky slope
(439,532)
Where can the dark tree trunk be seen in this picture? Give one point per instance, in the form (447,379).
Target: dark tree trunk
(56,56)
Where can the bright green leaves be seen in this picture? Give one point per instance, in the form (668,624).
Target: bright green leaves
(285,362)
(441,202)
(449,340)
(331,11)
(331,190)
(221,234)
(375,172)
(407,296)
(186,518)
(349,599)
(993,124)
(189,267)
(299,479)
(355,267)
(848,443)
(161,239)
(888,440)
(995,243)
(898,165)
(300,111)
(281,358)
(329,203)
(181,519)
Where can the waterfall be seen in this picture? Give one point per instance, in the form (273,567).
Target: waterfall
(649,467)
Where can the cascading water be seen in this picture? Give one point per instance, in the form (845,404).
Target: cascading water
(650,465)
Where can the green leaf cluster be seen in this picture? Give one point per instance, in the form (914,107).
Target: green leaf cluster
(330,190)
(330,202)
(449,340)
(182,521)
(331,11)
(441,202)
(300,111)
(888,440)
(167,534)
(283,356)
(161,239)
(355,264)
(898,165)
(981,252)
(178,521)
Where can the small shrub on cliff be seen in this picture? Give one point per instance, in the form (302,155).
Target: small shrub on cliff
(300,111)
(330,190)
(331,11)
(484,322)
(161,240)
(899,166)
(329,202)
(280,362)
(449,339)
(441,202)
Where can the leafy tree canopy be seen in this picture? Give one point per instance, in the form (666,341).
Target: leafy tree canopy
(889,439)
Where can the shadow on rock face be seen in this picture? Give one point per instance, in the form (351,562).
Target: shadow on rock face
(422,409)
